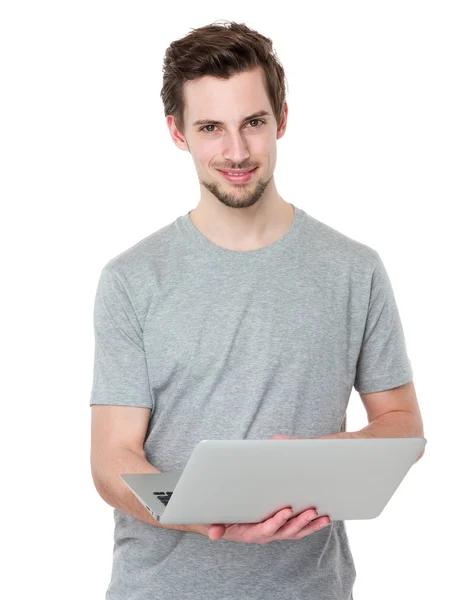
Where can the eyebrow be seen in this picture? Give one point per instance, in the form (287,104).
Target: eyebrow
(260,113)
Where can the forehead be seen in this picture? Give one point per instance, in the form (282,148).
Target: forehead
(226,100)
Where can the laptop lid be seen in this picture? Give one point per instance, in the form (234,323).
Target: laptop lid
(248,481)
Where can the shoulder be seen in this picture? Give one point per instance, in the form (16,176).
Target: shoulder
(154,247)
(140,268)
(339,248)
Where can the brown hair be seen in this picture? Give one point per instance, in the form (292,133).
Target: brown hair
(220,51)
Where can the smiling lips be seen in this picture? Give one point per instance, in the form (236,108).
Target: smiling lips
(238,176)
(236,171)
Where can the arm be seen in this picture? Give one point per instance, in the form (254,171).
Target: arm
(391,413)
(117,435)
(120,400)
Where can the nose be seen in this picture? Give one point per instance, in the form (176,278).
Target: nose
(235,150)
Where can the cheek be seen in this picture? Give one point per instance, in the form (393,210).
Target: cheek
(205,158)
(208,152)
(264,148)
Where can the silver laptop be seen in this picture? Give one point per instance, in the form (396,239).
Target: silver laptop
(248,481)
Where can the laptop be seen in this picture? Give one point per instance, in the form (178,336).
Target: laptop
(249,481)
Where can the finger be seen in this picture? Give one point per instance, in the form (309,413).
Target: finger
(216,531)
(315,525)
(270,526)
(294,525)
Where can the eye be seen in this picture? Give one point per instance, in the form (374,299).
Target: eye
(206,130)
(256,121)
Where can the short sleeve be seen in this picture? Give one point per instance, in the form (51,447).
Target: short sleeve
(120,374)
(383,362)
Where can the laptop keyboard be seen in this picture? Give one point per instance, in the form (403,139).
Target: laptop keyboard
(163,496)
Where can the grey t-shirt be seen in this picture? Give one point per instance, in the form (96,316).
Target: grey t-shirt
(224,344)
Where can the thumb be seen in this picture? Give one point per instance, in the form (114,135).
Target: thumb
(216,531)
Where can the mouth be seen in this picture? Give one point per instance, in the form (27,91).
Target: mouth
(239,177)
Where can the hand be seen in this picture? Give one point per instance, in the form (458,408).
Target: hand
(279,527)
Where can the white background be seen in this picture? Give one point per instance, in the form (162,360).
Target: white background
(379,145)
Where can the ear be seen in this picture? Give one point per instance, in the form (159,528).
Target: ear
(177,137)
(282,127)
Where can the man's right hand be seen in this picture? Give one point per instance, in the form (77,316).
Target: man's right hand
(279,527)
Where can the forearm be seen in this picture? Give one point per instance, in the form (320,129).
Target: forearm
(116,493)
(396,424)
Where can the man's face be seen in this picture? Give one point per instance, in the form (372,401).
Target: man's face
(235,143)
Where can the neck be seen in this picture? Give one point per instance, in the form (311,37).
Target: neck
(243,229)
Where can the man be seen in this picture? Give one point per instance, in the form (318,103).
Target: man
(245,318)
